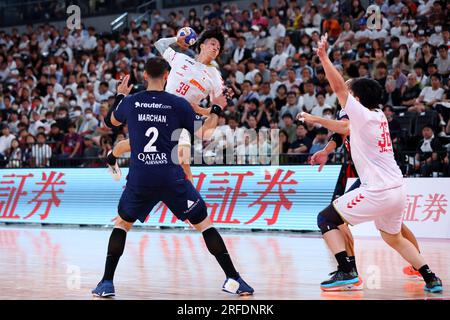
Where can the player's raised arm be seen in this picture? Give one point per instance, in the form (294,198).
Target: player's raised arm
(335,79)
(164,43)
(122,91)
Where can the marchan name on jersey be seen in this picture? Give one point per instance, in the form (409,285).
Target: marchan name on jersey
(152,117)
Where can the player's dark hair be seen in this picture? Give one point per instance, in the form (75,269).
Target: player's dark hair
(322,130)
(155,67)
(368,91)
(215,33)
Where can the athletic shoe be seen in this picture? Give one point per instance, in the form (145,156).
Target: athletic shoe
(411,272)
(114,170)
(434,286)
(105,288)
(340,280)
(353,287)
(358,286)
(238,286)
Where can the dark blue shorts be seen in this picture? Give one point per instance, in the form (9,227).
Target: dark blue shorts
(181,198)
(354,186)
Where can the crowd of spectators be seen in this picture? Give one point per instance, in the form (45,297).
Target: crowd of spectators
(56,85)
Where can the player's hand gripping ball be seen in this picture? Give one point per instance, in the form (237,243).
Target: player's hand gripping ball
(189,33)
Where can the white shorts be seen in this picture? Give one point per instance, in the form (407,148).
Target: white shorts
(384,207)
(185,138)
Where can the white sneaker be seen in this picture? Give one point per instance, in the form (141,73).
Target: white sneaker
(114,171)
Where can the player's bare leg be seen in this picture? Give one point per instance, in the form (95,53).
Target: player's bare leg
(408,235)
(105,287)
(410,271)
(216,246)
(410,253)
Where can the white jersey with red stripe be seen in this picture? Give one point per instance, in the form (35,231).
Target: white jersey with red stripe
(372,151)
(189,78)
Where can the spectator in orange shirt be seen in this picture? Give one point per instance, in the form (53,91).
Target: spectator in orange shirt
(333,28)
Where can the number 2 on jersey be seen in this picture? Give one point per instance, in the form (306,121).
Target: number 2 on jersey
(183,89)
(149,147)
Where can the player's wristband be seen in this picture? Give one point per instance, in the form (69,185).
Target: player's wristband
(216,109)
(337,138)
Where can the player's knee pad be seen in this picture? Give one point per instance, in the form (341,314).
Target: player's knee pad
(199,215)
(117,242)
(329,219)
(214,241)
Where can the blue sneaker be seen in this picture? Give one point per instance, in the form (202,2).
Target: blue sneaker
(238,286)
(105,288)
(434,286)
(340,280)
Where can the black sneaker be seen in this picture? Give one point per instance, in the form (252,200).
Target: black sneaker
(434,286)
(340,280)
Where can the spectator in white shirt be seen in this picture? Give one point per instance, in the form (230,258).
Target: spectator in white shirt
(277,31)
(292,106)
(35,123)
(289,49)
(274,83)
(71,83)
(291,79)
(278,61)
(103,93)
(420,74)
(363,34)
(424,9)
(395,9)
(320,107)
(44,44)
(51,94)
(396,29)
(429,95)
(145,31)
(91,103)
(90,42)
(89,123)
(309,98)
(443,61)
(5,139)
(252,70)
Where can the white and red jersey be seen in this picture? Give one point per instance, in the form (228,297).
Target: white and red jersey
(372,151)
(191,79)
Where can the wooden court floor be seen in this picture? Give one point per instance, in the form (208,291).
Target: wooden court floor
(65,263)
